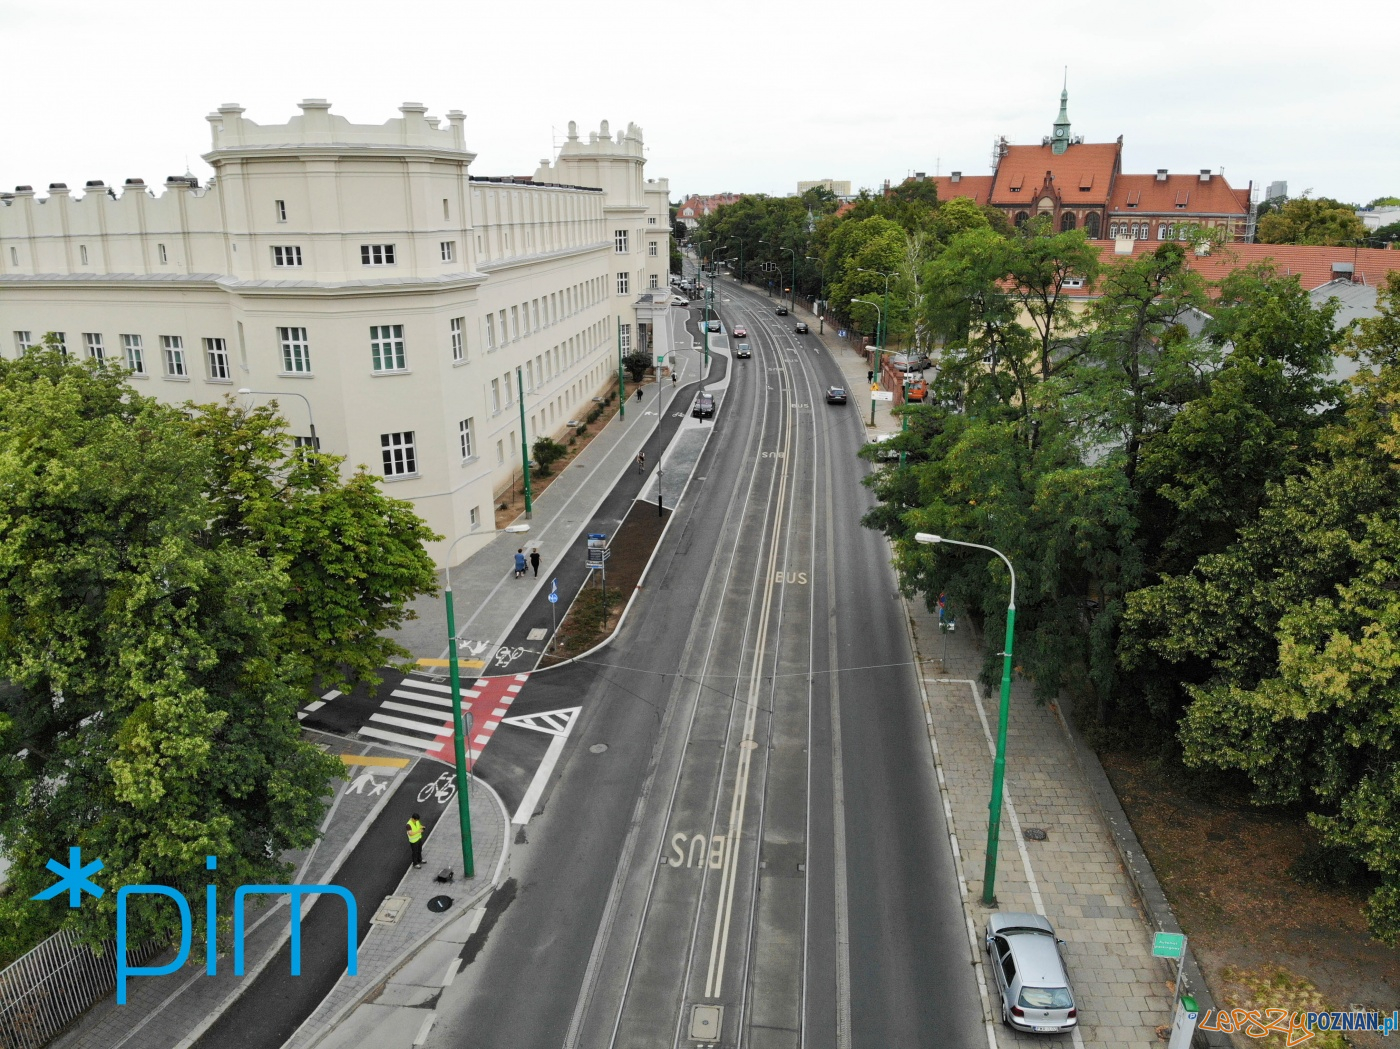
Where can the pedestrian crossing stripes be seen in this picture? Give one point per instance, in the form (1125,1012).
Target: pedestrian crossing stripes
(318,704)
(418,714)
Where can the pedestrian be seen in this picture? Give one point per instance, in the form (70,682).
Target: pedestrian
(639,394)
(520,562)
(641,462)
(535,560)
(415,839)
(673,378)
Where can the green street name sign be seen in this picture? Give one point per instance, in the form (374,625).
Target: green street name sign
(1168,945)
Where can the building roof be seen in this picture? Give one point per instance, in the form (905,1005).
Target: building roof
(977,188)
(1083,173)
(1313,264)
(1177,194)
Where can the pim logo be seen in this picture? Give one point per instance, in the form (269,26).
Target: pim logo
(76,879)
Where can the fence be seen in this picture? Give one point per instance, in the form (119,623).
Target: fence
(55,983)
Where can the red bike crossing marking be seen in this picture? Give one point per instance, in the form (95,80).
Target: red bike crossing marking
(418,714)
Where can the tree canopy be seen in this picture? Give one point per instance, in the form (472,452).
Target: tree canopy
(1312,220)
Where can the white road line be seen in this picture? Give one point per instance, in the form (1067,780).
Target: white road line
(435,716)
(428,1022)
(542,774)
(451,974)
(416,742)
(437,701)
(332,694)
(436,728)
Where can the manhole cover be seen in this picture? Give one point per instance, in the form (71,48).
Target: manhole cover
(1033,834)
(438,904)
(391,910)
(597,748)
(537,634)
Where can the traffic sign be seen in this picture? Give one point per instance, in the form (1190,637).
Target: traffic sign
(553,598)
(1168,945)
(881,395)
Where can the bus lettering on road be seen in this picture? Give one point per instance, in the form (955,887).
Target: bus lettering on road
(703,850)
(800,578)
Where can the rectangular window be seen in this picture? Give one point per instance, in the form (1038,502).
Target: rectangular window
(448,249)
(655,282)
(280,208)
(459,342)
(476,516)
(376,254)
(515,322)
(92,342)
(500,453)
(174,347)
(625,337)
(490,331)
(620,241)
(61,340)
(651,220)
(23,341)
(653,249)
(216,353)
(622,283)
(510,391)
(164,258)
(82,253)
(466,438)
(495,395)
(504,337)
(535,314)
(286,256)
(400,455)
(135,355)
(296,353)
(14,256)
(386,347)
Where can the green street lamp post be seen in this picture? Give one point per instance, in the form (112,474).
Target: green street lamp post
(821,295)
(989,873)
(884,318)
(879,324)
(621,379)
(459,733)
(524,443)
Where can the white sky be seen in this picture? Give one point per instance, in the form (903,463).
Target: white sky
(744,96)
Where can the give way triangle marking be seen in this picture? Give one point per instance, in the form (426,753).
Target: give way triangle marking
(552,722)
(556,723)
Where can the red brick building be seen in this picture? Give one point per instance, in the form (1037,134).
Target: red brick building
(1081,185)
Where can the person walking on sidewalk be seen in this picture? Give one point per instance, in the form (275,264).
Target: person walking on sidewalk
(415,839)
(520,562)
(639,393)
(642,461)
(535,560)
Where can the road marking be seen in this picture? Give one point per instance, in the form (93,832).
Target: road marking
(474,664)
(398,722)
(428,1022)
(556,723)
(416,742)
(451,974)
(366,759)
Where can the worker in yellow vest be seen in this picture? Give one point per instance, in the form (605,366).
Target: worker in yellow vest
(415,839)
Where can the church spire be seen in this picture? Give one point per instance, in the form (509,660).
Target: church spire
(1061,139)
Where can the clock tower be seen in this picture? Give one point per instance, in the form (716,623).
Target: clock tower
(1059,140)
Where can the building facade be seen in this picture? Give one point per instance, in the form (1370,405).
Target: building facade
(1079,185)
(431,323)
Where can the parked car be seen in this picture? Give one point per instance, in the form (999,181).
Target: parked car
(916,391)
(909,362)
(712,326)
(679,300)
(801,328)
(743,352)
(835,395)
(740,332)
(781,311)
(704,406)
(1030,974)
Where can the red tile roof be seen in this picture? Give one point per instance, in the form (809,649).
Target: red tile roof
(1312,264)
(977,188)
(1022,171)
(1177,195)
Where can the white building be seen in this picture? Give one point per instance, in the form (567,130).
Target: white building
(365,269)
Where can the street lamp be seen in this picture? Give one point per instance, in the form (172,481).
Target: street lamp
(821,295)
(730,241)
(879,322)
(792,292)
(524,444)
(315,444)
(884,333)
(989,873)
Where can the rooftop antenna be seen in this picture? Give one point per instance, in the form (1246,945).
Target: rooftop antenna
(937,166)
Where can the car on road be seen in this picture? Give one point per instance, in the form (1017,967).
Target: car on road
(743,351)
(704,406)
(781,311)
(740,332)
(801,329)
(679,300)
(712,326)
(1031,982)
(835,395)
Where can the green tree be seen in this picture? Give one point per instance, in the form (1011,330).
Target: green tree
(637,362)
(1312,220)
(547,452)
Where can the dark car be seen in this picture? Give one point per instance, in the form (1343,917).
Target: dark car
(781,311)
(740,332)
(801,329)
(704,406)
(743,352)
(712,326)
(835,395)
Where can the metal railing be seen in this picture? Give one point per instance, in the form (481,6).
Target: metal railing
(55,983)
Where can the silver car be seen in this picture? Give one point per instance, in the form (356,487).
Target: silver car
(1030,974)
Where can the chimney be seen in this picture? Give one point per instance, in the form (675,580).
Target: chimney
(921,175)
(1205,174)
(956,176)
(1161,174)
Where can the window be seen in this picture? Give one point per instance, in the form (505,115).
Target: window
(279,207)
(515,322)
(1067,221)
(14,256)
(296,354)
(535,313)
(655,282)
(386,347)
(1164,232)
(466,438)
(82,253)
(174,347)
(216,353)
(61,341)
(160,250)
(653,249)
(620,241)
(444,208)
(500,453)
(23,342)
(1091,225)
(504,337)
(510,390)
(376,254)
(92,341)
(135,355)
(651,220)
(475,515)
(622,282)
(495,396)
(624,338)
(400,455)
(448,249)
(490,331)
(459,345)
(286,256)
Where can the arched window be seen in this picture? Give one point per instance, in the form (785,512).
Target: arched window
(1112,230)
(1091,225)
(1135,232)
(1022,218)
(1067,221)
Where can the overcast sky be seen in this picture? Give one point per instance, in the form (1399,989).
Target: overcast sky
(744,96)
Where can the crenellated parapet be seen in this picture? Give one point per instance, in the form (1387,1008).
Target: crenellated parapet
(413,130)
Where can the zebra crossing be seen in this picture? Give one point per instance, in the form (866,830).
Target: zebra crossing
(418,714)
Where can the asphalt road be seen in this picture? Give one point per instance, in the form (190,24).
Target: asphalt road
(807,888)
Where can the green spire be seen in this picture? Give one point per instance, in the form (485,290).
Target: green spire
(1061,138)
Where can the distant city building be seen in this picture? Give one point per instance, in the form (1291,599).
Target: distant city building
(832,186)
(1079,185)
(417,307)
(1375,218)
(693,209)
(1276,190)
